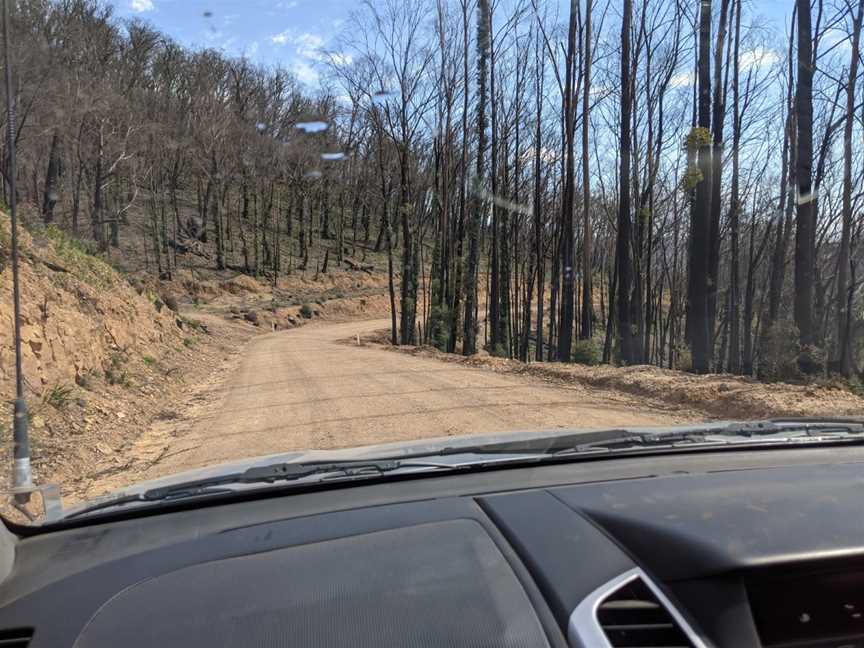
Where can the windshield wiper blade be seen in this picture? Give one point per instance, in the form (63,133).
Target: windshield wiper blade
(280,472)
(777,431)
(632,440)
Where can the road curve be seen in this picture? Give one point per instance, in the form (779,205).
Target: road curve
(306,388)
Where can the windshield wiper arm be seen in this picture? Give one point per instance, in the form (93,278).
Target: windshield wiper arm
(772,431)
(279,472)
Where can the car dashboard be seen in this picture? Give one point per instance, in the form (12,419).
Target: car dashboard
(757,548)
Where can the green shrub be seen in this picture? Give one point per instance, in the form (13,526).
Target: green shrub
(87,379)
(683,358)
(306,311)
(586,352)
(196,325)
(780,351)
(149,360)
(79,259)
(58,397)
(439,326)
(116,376)
(499,351)
(812,360)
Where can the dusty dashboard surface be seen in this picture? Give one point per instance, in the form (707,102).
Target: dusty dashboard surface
(723,557)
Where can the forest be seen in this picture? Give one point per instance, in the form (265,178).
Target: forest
(658,182)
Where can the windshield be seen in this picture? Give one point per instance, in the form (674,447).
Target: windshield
(236,229)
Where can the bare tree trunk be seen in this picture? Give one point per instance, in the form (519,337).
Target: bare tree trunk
(51,177)
(493,295)
(587,313)
(568,271)
(844,314)
(717,122)
(539,257)
(700,225)
(622,251)
(735,209)
(805,231)
(469,345)
(96,219)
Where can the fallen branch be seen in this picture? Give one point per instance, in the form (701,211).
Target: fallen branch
(357,265)
(54,266)
(189,246)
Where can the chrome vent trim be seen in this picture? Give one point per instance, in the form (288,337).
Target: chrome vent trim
(584,629)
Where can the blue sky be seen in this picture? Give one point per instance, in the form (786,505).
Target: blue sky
(292,32)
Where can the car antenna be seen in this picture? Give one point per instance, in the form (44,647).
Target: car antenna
(22,478)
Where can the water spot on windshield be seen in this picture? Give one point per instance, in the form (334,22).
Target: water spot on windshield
(208,14)
(312,126)
(332,157)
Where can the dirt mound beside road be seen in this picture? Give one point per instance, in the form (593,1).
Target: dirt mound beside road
(76,313)
(101,358)
(719,396)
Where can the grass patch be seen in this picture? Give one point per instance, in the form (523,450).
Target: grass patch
(79,260)
(118,377)
(58,397)
(195,325)
(87,379)
(587,352)
(150,361)
(116,374)
(188,342)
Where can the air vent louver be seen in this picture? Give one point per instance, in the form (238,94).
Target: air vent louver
(630,611)
(16,637)
(633,616)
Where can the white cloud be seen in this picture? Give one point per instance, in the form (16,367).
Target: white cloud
(681,80)
(281,38)
(309,51)
(305,73)
(287,4)
(309,46)
(340,58)
(837,38)
(758,57)
(252,50)
(140,6)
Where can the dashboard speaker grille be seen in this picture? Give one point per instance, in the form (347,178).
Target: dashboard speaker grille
(633,616)
(16,637)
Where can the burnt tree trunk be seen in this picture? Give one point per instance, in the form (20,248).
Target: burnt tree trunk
(805,221)
(626,346)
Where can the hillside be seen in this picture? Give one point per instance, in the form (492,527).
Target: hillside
(92,348)
(105,357)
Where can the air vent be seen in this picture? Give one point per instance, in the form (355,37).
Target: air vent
(629,612)
(16,637)
(633,616)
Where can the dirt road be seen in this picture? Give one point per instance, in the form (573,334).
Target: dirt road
(308,389)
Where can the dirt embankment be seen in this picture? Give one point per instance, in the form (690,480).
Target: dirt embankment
(718,396)
(101,359)
(108,357)
(291,301)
